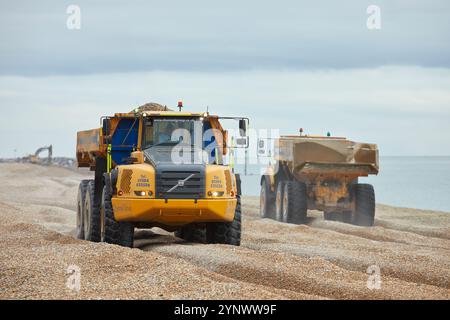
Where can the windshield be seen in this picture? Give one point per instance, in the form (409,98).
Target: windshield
(175,140)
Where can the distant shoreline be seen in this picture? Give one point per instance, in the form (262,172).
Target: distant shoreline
(425,211)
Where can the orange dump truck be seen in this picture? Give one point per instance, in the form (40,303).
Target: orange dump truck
(320,173)
(159,168)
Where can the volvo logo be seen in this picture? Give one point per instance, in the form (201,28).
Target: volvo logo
(180,183)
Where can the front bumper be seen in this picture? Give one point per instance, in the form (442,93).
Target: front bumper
(174,211)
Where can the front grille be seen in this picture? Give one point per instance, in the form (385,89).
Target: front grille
(125,181)
(168,176)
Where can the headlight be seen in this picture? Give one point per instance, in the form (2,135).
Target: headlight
(215,193)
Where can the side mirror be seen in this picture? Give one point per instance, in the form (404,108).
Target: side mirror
(106,130)
(261,144)
(261,147)
(242,142)
(242,127)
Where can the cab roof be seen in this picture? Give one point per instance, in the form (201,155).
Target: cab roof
(163,114)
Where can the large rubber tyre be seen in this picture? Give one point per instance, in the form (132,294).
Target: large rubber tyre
(266,200)
(295,202)
(115,232)
(192,233)
(279,201)
(226,232)
(91,218)
(364,214)
(80,208)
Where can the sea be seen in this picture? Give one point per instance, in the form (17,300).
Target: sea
(412,182)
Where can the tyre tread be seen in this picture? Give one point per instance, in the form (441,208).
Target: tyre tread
(116,232)
(364,214)
(297,202)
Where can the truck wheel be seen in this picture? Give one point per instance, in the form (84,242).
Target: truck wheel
(226,232)
(91,218)
(115,232)
(192,233)
(295,205)
(266,200)
(364,196)
(279,201)
(80,207)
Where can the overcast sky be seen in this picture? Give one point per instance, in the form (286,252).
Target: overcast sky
(284,64)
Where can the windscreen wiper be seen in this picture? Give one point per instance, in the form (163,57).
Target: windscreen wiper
(165,143)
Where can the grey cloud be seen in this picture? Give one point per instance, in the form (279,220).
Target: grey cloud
(122,36)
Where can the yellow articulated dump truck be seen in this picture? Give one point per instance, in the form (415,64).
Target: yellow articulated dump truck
(320,173)
(159,168)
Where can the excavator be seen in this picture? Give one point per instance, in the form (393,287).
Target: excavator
(34,158)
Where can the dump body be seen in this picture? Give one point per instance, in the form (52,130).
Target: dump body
(305,154)
(89,146)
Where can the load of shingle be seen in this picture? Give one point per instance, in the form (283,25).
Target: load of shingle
(151,106)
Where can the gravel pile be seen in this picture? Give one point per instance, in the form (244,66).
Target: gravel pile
(320,260)
(152,106)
